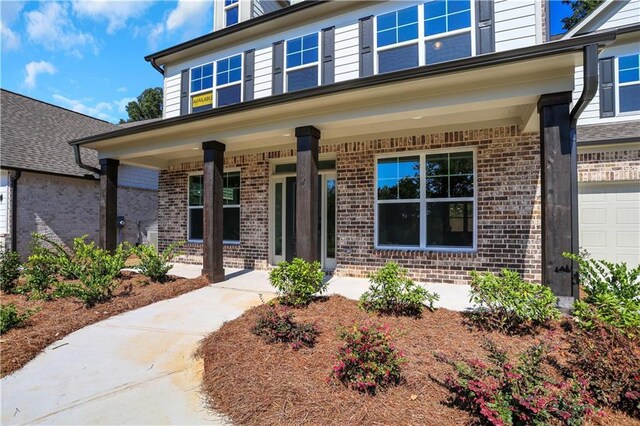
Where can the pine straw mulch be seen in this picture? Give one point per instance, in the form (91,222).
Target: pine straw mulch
(60,317)
(256,384)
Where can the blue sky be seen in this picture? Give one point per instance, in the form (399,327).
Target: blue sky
(88,55)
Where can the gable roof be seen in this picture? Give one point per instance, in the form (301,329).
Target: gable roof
(35,135)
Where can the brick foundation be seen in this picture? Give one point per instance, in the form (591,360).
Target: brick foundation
(509,221)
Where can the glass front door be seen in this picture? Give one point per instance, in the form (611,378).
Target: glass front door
(283,221)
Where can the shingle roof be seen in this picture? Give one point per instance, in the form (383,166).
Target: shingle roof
(609,132)
(35,135)
(137,123)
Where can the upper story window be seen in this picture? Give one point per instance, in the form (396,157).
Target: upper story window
(629,83)
(231,12)
(438,31)
(302,55)
(227,84)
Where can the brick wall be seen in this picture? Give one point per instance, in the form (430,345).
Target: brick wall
(64,208)
(609,165)
(508,182)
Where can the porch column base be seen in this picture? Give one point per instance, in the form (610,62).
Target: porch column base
(108,238)
(308,138)
(212,245)
(559,194)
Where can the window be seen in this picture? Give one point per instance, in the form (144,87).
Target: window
(302,62)
(228,84)
(629,83)
(231,207)
(231,12)
(397,35)
(444,34)
(426,201)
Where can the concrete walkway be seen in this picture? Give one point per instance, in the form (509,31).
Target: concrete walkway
(137,368)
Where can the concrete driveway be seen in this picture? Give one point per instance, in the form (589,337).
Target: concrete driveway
(137,367)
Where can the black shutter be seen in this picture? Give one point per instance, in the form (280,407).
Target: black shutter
(328,52)
(366,46)
(277,78)
(485,33)
(249,70)
(184,92)
(607,88)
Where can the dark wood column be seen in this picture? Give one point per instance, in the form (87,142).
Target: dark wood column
(307,193)
(108,203)
(212,246)
(559,193)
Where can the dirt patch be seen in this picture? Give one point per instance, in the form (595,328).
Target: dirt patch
(255,383)
(58,318)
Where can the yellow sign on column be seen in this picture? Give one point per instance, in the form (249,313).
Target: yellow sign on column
(204,99)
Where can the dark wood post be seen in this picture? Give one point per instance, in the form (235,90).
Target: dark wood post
(307,193)
(212,245)
(108,203)
(559,193)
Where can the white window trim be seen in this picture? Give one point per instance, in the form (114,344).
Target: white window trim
(214,88)
(618,85)
(227,8)
(422,38)
(189,208)
(300,67)
(423,200)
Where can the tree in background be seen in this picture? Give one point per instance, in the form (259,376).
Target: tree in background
(580,9)
(148,105)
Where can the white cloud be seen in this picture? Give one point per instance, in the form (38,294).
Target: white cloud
(121,89)
(51,27)
(187,12)
(121,105)
(109,111)
(10,40)
(116,13)
(34,68)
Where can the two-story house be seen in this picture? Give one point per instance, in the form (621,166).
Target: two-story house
(439,134)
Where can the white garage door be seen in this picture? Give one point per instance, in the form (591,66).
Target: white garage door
(610,221)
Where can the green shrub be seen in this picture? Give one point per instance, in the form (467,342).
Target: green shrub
(392,292)
(298,281)
(609,361)
(612,294)
(508,303)
(9,270)
(65,262)
(277,325)
(97,272)
(506,392)
(367,361)
(10,318)
(40,272)
(155,265)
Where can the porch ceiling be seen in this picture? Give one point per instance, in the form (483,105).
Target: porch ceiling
(502,94)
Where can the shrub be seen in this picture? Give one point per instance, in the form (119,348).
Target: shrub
(367,361)
(277,325)
(612,294)
(509,303)
(392,292)
(155,265)
(97,272)
(297,281)
(610,362)
(40,273)
(9,270)
(502,392)
(10,318)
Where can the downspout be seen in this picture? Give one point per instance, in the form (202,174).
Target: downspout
(14,209)
(76,152)
(156,66)
(590,87)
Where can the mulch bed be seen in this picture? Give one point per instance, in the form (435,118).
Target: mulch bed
(255,383)
(60,317)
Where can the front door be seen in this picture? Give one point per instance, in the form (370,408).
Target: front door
(283,226)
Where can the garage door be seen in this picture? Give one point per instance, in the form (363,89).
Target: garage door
(610,221)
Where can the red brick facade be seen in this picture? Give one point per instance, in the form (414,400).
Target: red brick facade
(508,204)
(609,165)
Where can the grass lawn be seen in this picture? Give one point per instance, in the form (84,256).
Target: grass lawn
(60,317)
(257,383)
